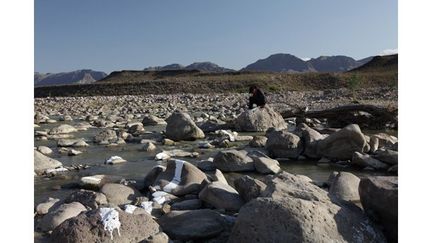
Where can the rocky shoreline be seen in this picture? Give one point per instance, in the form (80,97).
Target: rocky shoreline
(187,197)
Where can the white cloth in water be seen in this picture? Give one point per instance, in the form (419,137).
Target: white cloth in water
(113,158)
(130,208)
(60,169)
(162,156)
(159,197)
(225,132)
(110,220)
(148,206)
(177,176)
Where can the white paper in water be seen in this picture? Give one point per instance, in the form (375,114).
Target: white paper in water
(113,158)
(159,197)
(130,208)
(148,206)
(110,220)
(177,176)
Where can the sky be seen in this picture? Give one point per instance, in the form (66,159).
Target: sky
(110,35)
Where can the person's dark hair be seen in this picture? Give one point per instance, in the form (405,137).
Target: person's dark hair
(252,88)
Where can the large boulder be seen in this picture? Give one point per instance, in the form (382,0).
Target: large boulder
(88,227)
(292,209)
(119,194)
(283,144)
(385,140)
(71,142)
(150,120)
(233,161)
(43,162)
(189,204)
(179,178)
(105,137)
(387,156)
(342,144)
(180,126)
(56,216)
(266,165)
(87,198)
(62,129)
(258,141)
(365,160)
(310,138)
(249,188)
(221,196)
(259,120)
(344,187)
(192,224)
(95,182)
(379,198)
(44,207)
(44,150)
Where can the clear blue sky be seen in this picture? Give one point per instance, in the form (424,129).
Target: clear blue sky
(109,35)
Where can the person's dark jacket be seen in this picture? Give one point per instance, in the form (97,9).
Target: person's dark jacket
(257,98)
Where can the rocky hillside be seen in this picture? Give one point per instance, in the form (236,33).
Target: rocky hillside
(280,63)
(380,64)
(201,66)
(84,76)
(290,63)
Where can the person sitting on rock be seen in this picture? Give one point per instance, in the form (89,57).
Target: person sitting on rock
(257,97)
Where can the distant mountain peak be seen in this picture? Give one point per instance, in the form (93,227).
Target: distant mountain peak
(201,66)
(82,76)
(281,62)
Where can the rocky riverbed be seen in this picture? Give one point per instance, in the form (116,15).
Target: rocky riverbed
(203,168)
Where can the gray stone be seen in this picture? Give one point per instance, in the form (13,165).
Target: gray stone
(292,209)
(150,120)
(379,198)
(44,150)
(259,120)
(248,187)
(221,196)
(44,207)
(191,178)
(387,156)
(365,160)
(87,227)
(233,160)
(190,204)
(258,141)
(180,126)
(55,217)
(342,144)
(283,144)
(62,129)
(266,165)
(345,187)
(160,237)
(87,198)
(119,194)
(310,138)
(192,224)
(106,136)
(43,163)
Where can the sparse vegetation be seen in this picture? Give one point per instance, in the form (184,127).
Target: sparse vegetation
(354,84)
(136,82)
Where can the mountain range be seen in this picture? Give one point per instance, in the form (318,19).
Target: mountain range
(381,64)
(83,76)
(201,66)
(290,63)
(274,63)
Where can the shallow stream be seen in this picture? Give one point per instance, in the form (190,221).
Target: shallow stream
(140,162)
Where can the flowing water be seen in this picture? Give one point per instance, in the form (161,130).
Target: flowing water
(140,162)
